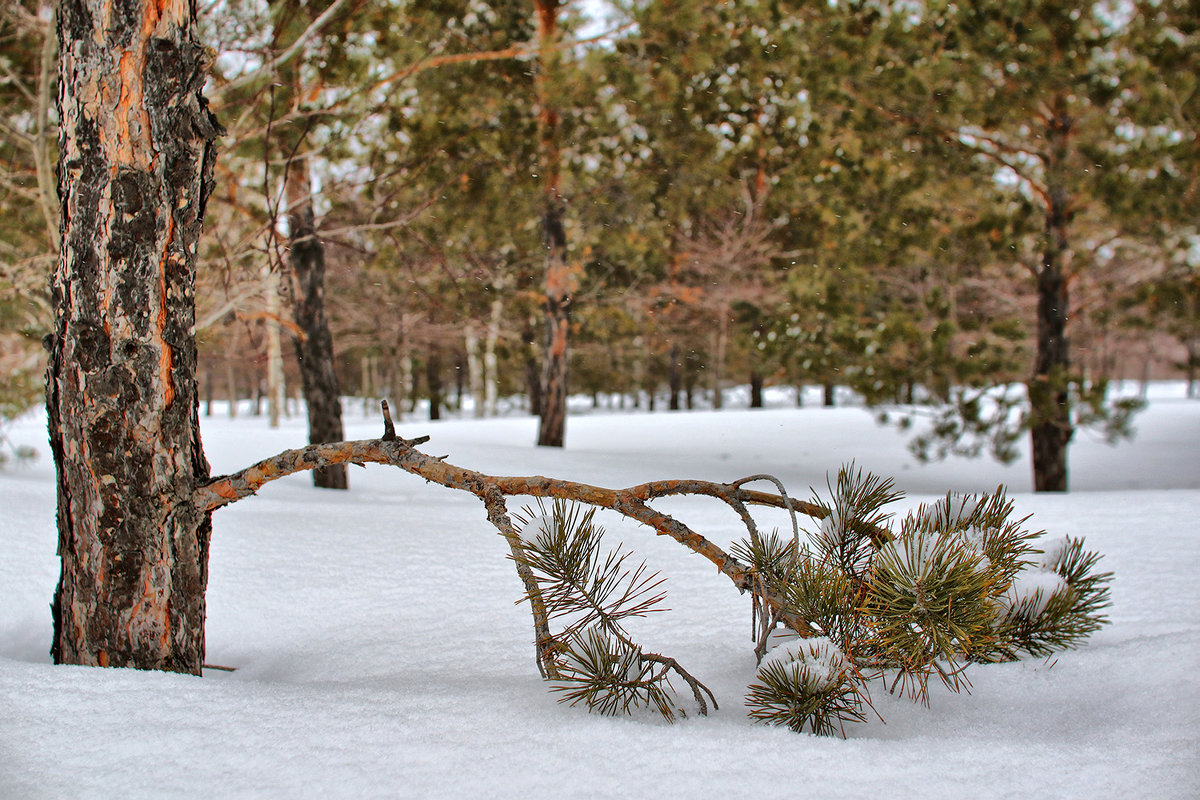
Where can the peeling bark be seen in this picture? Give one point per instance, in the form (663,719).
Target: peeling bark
(135,172)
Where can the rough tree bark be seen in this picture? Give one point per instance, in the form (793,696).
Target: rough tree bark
(135,165)
(1049,399)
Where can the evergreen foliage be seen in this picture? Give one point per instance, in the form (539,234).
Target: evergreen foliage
(590,592)
(865,599)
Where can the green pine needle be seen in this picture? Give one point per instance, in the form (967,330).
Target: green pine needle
(610,677)
(805,692)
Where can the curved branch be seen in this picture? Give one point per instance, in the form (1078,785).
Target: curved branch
(630,502)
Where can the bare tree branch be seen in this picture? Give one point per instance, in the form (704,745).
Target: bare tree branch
(217,97)
(631,502)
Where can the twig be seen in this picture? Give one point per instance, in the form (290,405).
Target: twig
(670,664)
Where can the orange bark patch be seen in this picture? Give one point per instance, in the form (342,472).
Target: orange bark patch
(130,111)
(165,354)
(151,614)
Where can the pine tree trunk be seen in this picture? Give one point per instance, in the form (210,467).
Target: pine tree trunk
(674,377)
(756,389)
(533,376)
(829,394)
(559,279)
(433,377)
(1051,430)
(135,169)
(314,345)
(1049,397)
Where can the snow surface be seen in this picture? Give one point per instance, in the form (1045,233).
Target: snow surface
(379,651)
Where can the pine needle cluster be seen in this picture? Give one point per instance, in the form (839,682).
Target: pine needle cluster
(954,582)
(806,686)
(591,592)
(864,599)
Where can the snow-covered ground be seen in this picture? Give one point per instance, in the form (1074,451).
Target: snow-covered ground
(379,651)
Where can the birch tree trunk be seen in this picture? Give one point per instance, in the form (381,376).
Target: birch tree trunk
(135,165)
(474,370)
(491,368)
(275,380)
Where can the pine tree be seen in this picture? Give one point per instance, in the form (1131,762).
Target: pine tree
(1043,92)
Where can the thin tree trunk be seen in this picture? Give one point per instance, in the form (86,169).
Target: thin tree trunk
(313,343)
(674,376)
(718,373)
(829,394)
(691,369)
(407,384)
(559,277)
(366,383)
(756,389)
(231,388)
(460,370)
(1049,398)
(491,369)
(135,171)
(208,391)
(43,161)
(401,374)
(433,377)
(276,390)
(533,378)
(639,371)
(475,370)
(1193,360)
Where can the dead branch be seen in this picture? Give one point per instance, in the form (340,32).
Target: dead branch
(631,502)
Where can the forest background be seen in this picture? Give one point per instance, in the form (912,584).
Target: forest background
(985,211)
